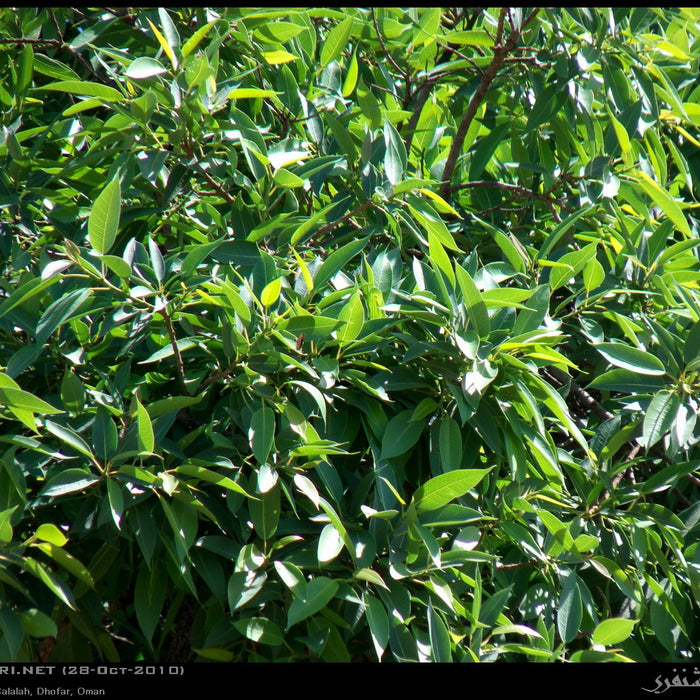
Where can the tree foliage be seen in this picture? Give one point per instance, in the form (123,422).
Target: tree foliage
(349,334)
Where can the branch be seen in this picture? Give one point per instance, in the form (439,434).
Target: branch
(334,224)
(217,187)
(179,364)
(562,379)
(499,55)
(41,42)
(403,73)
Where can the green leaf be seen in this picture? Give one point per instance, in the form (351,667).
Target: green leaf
(149,596)
(319,592)
(37,624)
(260,630)
(59,312)
(666,203)
(400,434)
(442,489)
(570,610)
(262,432)
(470,37)
(395,159)
(353,316)
(265,512)
(336,41)
(660,416)
(70,437)
(116,501)
(72,392)
(48,532)
(144,429)
(691,347)
(271,293)
(68,481)
(630,358)
(330,544)
(440,648)
(627,380)
(103,222)
(68,562)
(212,477)
(439,257)
(79,87)
(104,434)
(191,44)
(476,308)
(613,631)
(351,77)
(145,67)
(450,439)
(378,622)
(24,401)
(338,260)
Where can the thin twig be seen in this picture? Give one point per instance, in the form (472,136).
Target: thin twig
(179,364)
(516,190)
(334,224)
(499,55)
(217,187)
(41,42)
(401,71)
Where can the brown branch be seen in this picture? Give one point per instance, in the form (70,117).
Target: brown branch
(217,187)
(516,190)
(501,21)
(562,378)
(179,364)
(215,378)
(518,565)
(403,73)
(334,224)
(499,55)
(41,42)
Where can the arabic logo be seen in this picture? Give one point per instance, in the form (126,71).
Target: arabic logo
(663,684)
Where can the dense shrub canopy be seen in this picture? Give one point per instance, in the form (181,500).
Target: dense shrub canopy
(349,334)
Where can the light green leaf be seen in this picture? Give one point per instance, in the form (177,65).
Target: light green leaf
(37,624)
(68,481)
(476,308)
(666,203)
(660,416)
(613,631)
(144,429)
(260,630)
(145,67)
(48,532)
(24,401)
(79,87)
(442,489)
(395,159)
(627,357)
(330,544)
(271,293)
(336,41)
(103,222)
